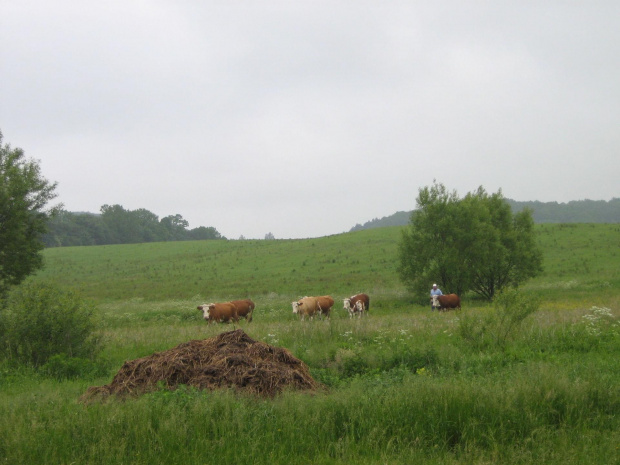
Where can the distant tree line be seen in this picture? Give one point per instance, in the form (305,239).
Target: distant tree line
(116,225)
(397,219)
(577,211)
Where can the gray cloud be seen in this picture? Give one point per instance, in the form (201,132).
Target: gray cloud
(303,119)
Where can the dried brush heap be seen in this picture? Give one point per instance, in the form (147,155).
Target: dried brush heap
(231,359)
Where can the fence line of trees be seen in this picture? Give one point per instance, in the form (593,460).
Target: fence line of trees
(116,225)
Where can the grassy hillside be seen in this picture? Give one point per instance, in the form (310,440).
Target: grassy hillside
(344,263)
(583,257)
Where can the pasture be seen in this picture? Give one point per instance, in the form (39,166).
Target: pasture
(403,385)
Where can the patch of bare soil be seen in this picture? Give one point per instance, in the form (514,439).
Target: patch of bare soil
(231,359)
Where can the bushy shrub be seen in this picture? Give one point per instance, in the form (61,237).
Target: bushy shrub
(476,330)
(40,321)
(497,327)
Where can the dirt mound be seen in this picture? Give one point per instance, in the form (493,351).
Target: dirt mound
(231,359)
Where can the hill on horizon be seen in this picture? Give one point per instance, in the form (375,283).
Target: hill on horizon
(575,211)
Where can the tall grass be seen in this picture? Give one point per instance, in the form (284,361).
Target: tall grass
(398,388)
(536,412)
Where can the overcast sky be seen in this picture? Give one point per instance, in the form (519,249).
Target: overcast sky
(303,118)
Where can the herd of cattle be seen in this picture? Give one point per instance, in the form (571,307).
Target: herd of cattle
(357,305)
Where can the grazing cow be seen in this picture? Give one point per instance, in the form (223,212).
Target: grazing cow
(357,309)
(306,306)
(446,302)
(245,308)
(325,303)
(220,312)
(348,307)
(360,308)
(349,304)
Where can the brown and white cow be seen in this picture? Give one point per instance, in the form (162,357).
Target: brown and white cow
(325,303)
(245,308)
(446,302)
(350,303)
(306,306)
(359,308)
(219,312)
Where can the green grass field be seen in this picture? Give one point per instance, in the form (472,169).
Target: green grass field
(402,386)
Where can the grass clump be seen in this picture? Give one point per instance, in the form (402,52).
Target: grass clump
(62,367)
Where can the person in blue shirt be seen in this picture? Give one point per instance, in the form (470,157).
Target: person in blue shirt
(434,291)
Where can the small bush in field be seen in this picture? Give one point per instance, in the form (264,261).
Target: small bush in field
(511,308)
(497,328)
(40,321)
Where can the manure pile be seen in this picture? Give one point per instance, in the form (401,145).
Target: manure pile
(231,359)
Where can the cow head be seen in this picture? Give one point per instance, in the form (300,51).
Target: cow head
(435,301)
(347,304)
(295,307)
(205,308)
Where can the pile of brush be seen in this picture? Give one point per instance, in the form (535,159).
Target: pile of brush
(229,360)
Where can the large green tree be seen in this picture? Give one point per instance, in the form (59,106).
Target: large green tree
(175,227)
(470,244)
(24,195)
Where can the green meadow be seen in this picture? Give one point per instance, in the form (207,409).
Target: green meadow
(402,385)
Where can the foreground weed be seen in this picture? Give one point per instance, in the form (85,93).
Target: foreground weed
(600,322)
(497,327)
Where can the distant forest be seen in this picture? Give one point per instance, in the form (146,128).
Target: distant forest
(115,225)
(577,211)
